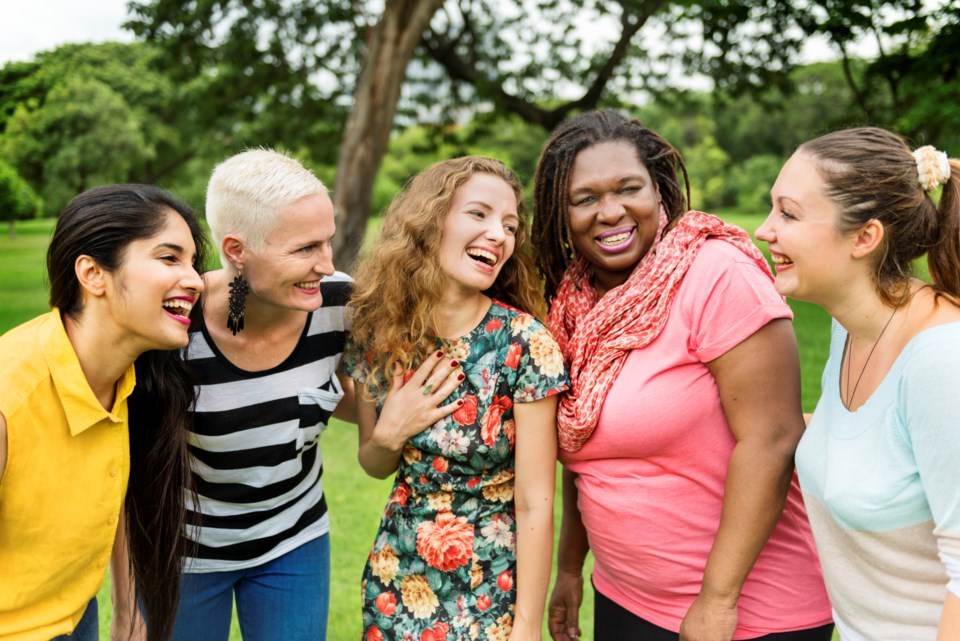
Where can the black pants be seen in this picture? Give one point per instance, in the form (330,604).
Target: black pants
(614,623)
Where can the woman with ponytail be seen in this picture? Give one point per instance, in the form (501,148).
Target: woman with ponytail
(852,212)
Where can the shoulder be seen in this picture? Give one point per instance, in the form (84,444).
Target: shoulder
(717,254)
(721,268)
(20,348)
(27,353)
(934,352)
(518,322)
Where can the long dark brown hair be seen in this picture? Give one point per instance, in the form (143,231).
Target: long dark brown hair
(551,187)
(101,223)
(870,173)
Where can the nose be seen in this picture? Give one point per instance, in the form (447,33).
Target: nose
(611,209)
(193,281)
(495,231)
(765,231)
(324,264)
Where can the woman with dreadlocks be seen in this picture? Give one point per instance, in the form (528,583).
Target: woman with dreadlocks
(678,433)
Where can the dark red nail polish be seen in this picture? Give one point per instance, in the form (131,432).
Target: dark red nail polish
(439,353)
(460,402)
(454,363)
(460,377)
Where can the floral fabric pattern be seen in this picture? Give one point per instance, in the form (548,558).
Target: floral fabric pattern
(443,565)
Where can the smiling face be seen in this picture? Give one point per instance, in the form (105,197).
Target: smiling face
(479,233)
(296,256)
(614,210)
(812,258)
(155,287)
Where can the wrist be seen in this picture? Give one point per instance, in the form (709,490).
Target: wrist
(718,597)
(384,439)
(570,568)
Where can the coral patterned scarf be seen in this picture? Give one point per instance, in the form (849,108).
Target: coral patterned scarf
(596,336)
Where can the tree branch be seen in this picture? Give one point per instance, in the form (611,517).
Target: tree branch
(443,51)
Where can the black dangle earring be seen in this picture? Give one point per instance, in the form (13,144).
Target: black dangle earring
(236,302)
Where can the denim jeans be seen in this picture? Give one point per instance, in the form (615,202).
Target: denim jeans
(89,627)
(285,599)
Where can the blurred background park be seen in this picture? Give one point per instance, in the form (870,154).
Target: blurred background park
(368,92)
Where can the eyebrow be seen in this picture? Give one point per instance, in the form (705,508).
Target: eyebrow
(780,199)
(620,181)
(171,246)
(477,202)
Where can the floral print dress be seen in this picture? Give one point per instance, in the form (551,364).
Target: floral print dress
(443,565)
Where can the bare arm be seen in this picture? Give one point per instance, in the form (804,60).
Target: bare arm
(564,608)
(410,408)
(949,629)
(536,473)
(767,423)
(127,623)
(347,407)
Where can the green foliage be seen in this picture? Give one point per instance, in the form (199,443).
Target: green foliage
(17,199)
(507,138)
(85,114)
(268,73)
(748,183)
(84,135)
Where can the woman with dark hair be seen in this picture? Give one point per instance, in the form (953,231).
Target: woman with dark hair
(678,433)
(852,211)
(459,400)
(123,279)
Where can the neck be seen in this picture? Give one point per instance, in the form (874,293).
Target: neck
(861,312)
(103,354)
(259,317)
(460,312)
(603,282)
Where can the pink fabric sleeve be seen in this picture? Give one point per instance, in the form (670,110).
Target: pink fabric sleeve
(729,298)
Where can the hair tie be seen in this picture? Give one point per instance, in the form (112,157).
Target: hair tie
(933,167)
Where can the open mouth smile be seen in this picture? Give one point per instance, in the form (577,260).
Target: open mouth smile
(616,240)
(482,256)
(310,285)
(179,308)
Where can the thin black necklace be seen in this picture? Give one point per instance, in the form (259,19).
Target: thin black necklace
(849,400)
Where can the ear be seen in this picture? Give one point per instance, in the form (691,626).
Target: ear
(90,275)
(233,248)
(868,238)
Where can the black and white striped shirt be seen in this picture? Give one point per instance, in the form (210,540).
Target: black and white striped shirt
(254,447)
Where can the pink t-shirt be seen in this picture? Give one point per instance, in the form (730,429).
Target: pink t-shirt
(651,478)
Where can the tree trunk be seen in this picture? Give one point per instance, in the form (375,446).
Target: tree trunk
(389,48)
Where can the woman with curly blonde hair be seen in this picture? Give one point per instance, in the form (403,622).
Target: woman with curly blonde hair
(458,396)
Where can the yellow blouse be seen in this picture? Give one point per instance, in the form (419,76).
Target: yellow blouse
(68,461)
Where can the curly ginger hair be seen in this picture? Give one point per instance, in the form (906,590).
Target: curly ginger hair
(399,286)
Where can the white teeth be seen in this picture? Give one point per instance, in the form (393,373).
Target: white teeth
(616,239)
(311,285)
(483,255)
(781,260)
(178,307)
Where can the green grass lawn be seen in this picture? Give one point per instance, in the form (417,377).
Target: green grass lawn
(355,500)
